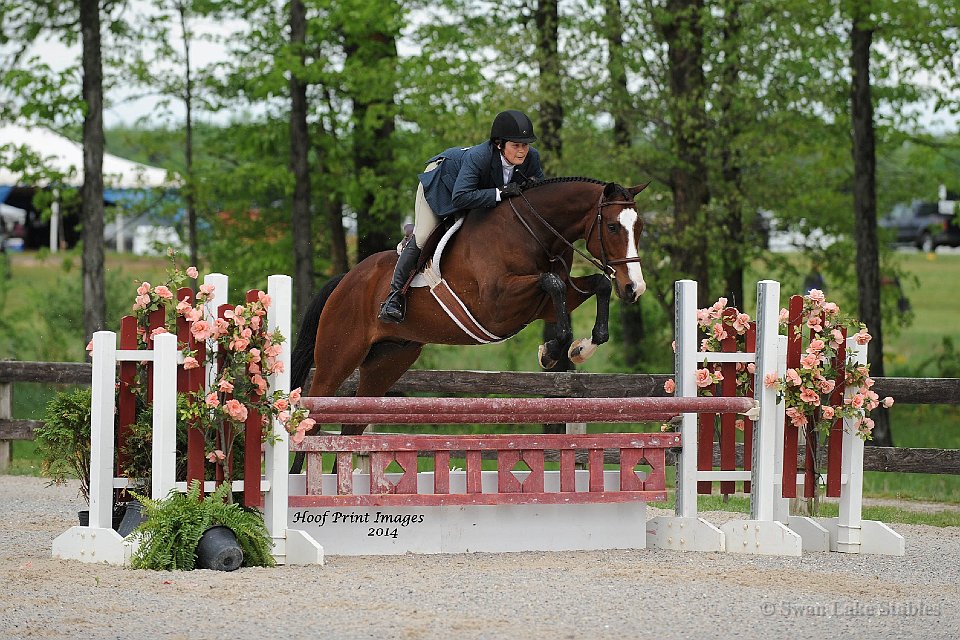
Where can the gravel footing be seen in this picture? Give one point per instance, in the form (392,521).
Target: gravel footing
(596,594)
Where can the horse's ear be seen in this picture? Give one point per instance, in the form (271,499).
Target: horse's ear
(637,189)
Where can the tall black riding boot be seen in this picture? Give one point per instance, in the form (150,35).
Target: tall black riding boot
(393,308)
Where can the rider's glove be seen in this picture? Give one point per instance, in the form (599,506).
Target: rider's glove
(510,190)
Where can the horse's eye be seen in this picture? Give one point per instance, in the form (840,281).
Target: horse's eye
(613,227)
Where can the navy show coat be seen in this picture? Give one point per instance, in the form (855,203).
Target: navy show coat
(468,178)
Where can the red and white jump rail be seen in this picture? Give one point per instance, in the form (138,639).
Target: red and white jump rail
(770,528)
(506,509)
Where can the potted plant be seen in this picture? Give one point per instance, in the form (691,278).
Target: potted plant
(63,443)
(185,531)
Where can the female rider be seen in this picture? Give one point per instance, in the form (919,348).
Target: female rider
(460,179)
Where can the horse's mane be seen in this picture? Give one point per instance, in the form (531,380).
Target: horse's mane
(533,185)
(543,183)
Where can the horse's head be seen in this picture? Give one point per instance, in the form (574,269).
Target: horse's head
(612,238)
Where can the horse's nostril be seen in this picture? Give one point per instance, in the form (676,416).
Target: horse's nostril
(628,291)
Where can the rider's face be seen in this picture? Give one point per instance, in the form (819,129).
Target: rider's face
(515,152)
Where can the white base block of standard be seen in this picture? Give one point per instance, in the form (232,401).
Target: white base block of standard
(684,534)
(762,537)
(874,538)
(815,536)
(88,544)
(470,528)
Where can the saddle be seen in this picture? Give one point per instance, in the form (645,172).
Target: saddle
(427,274)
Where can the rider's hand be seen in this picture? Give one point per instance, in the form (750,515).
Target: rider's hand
(510,190)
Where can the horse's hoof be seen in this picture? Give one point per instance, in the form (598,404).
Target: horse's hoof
(581,350)
(546,362)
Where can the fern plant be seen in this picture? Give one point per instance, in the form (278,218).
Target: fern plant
(169,536)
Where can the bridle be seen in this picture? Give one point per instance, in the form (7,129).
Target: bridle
(605,265)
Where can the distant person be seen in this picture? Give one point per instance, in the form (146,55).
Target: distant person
(814,280)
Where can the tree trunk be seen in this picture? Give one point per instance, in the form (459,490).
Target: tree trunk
(731,223)
(551,96)
(617,69)
(371,64)
(300,223)
(91,208)
(683,33)
(190,195)
(338,237)
(865,207)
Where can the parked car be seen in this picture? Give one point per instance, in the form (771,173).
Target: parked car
(922,225)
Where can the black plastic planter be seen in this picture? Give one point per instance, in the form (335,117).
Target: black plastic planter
(118,512)
(218,550)
(132,517)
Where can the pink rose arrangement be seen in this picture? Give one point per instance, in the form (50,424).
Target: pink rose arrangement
(247,354)
(806,389)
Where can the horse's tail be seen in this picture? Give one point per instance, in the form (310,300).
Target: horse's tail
(301,358)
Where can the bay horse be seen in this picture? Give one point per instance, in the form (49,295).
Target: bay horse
(510,265)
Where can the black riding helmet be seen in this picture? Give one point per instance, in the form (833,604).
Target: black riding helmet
(514,126)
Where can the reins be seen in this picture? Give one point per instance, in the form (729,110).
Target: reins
(605,265)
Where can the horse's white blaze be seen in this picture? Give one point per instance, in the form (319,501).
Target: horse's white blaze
(628,219)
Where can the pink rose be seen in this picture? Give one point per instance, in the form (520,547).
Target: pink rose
(857,401)
(751,368)
(784,316)
(192,272)
(163,292)
(793,378)
(207,289)
(225,385)
(809,361)
(236,410)
(887,402)
(200,329)
(816,297)
(770,379)
(277,367)
(831,308)
(741,323)
(816,346)
(264,299)
(283,417)
(295,396)
(281,404)
(828,412)
(190,363)
(141,302)
(862,337)
(704,379)
(157,331)
(826,386)
(255,323)
(810,396)
(670,386)
(193,315)
(212,399)
(703,317)
(739,425)
(90,347)
(143,289)
(718,332)
(182,307)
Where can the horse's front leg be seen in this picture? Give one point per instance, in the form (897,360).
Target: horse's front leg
(551,351)
(600,286)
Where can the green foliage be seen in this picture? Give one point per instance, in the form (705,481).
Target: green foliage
(63,442)
(168,537)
